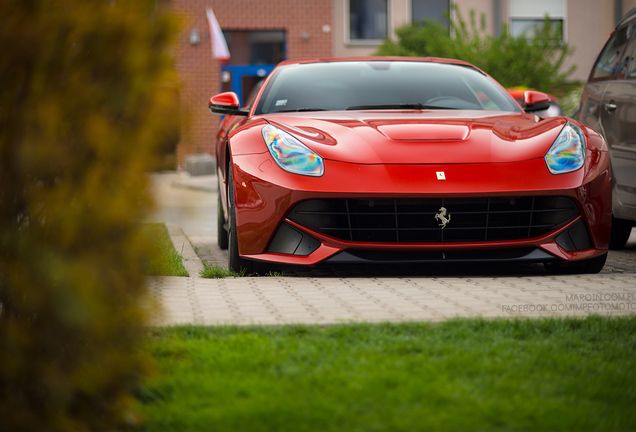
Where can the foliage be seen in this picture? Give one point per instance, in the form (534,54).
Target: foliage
(459,375)
(86,97)
(513,61)
(167,261)
(571,100)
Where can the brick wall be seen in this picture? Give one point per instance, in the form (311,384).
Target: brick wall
(200,74)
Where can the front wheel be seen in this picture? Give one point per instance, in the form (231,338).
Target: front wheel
(586,266)
(221,231)
(234,261)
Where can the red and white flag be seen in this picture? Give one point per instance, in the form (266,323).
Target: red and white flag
(219,46)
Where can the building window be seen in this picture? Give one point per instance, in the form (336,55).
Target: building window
(368,20)
(255,46)
(527,27)
(430,10)
(526,16)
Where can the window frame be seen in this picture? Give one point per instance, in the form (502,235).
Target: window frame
(366,42)
(446,23)
(539,14)
(536,21)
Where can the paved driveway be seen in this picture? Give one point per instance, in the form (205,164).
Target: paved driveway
(370,294)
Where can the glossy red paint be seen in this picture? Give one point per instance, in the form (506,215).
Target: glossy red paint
(399,154)
(519,95)
(531,97)
(227,99)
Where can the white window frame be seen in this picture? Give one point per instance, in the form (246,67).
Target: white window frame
(537,10)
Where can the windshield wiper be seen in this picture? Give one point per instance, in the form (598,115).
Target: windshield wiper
(395,106)
(300,110)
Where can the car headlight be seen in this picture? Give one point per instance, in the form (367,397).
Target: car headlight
(292,155)
(567,153)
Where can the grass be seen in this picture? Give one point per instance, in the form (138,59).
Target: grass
(459,375)
(216,272)
(167,261)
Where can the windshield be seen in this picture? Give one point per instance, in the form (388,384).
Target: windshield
(367,85)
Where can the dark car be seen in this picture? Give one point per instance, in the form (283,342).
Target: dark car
(608,105)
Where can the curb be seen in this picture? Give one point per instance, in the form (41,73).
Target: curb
(181,243)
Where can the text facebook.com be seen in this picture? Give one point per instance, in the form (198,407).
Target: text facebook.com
(587,302)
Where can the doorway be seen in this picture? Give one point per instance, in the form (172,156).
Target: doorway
(255,53)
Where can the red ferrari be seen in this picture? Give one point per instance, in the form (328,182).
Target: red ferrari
(406,160)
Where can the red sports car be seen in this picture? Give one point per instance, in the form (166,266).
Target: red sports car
(406,160)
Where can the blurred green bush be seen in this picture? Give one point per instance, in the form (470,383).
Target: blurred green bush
(87,96)
(535,63)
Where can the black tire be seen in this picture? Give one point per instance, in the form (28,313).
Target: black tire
(234,261)
(621,230)
(221,232)
(586,266)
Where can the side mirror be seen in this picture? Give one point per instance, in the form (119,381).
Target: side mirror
(535,101)
(226,103)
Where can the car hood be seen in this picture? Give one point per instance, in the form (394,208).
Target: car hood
(423,137)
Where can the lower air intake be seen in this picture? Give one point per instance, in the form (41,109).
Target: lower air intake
(408,220)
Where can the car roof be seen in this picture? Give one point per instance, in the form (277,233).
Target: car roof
(378,58)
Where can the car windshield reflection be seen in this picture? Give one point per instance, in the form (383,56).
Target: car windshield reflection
(381,85)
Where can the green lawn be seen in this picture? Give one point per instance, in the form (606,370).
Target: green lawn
(166,261)
(459,375)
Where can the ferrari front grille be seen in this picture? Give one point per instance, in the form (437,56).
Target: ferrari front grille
(413,220)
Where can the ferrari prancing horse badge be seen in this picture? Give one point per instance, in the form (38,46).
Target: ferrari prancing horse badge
(442,217)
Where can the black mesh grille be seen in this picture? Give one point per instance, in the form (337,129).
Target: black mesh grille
(414,220)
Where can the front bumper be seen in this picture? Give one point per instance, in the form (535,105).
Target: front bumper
(265,195)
